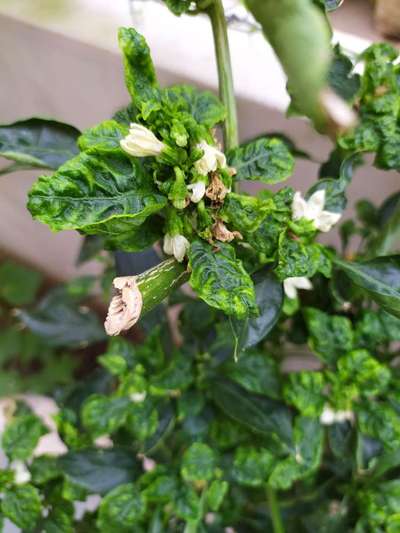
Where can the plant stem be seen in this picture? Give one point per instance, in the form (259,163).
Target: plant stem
(225,77)
(274,509)
(157,283)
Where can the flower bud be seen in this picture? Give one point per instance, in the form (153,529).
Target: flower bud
(211,159)
(141,142)
(125,307)
(198,190)
(177,246)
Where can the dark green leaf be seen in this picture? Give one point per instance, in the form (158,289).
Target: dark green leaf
(220,279)
(99,471)
(379,278)
(38,142)
(59,321)
(258,413)
(22,435)
(18,285)
(178,7)
(95,195)
(103,415)
(341,77)
(252,466)
(266,160)
(269,299)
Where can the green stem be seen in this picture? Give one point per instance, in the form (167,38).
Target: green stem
(225,77)
(274,510)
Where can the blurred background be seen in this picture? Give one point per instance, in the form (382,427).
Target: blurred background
(60,59)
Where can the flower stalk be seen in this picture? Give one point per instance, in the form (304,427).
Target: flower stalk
(276,518)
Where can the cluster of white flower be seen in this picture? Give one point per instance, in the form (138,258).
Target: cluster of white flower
(141,142)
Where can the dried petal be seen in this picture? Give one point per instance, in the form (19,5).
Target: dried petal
(125,307)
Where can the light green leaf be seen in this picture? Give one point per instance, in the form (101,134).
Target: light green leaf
(91,194)
(22,506)
(140,76)
(267,160)
(104,138)
(38,143)
(216,494)
(103,415)
(204,106)
(305,391)
(220,279)
(198,463)
(121,509)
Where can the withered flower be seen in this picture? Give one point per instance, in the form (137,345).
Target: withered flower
(222,233)
(217,190)
(125,306)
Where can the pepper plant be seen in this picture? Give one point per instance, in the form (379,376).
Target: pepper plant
(249,405)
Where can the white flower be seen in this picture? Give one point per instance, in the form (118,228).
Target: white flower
(177,246)
(198,190)
(21,472)
(141,142)
(138,397)
(290,286)
(104,441)
(212,159)
(329,416)
(125,307)
(313,209)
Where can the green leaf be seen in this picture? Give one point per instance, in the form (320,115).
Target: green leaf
(22,506)
(22,435)
(245,213)
(204,106)
(140,76)
(18,285)
(359,369)
(103,415)
(60,321)
(38,142)
(99,471)
(121,509)
(269,299)
(341,77)
(305,457)
(220,279)
(104,138)
(258,413)
(330,335)
(380,421)
(268,160)
(252,466)
(297,259)
(216,494)
(198,463)
(178,7)
(257,372)
(95,195)
(379,278)
(305,390)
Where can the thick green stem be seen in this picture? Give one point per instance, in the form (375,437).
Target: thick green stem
(157,283)
(274,510)
(225,77)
